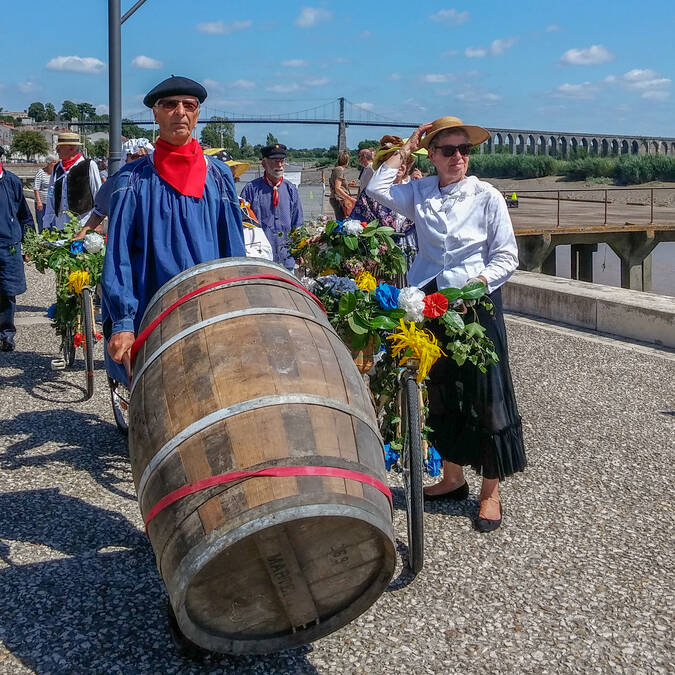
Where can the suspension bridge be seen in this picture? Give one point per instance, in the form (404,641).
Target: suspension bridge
(339,112)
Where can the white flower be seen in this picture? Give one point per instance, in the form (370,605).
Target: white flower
(411,299)
(352,227)
(93,242)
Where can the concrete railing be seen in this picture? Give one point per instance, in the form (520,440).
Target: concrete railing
(630,314)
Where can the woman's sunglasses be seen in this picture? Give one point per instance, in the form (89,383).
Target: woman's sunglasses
(450,150)
(172,104)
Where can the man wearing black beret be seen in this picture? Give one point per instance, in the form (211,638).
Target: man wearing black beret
(170,210)
(276,203)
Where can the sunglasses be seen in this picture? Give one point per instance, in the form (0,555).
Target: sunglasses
(450,150)
(172,104)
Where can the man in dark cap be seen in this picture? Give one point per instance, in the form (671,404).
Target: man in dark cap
(170,210)
(15,217)
(276,202)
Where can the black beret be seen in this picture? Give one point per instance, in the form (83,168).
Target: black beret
(175,85)
(276,151)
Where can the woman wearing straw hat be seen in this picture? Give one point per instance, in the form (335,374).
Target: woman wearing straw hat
(464,234)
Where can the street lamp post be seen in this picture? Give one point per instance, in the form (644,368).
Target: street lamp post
(115,22)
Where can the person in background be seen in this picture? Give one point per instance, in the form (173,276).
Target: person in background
(73,184)
(41,188)
(15,217)
(275,202)
(133,149)
(465,235)
(368,209)
(103,169)
(340,198)
(366,156)
(169,211)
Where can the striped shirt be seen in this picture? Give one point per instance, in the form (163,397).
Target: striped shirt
(41,184)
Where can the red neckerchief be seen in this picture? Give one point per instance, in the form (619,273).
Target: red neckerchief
(67,163)
(275,189)
(182,166)
(0,168)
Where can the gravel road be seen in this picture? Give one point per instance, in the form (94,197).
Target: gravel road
(578,579)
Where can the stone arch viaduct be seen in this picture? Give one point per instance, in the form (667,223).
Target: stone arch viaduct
(563,143)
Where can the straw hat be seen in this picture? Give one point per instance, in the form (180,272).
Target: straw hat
(475,134)
(68,138)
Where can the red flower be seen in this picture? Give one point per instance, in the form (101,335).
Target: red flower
(364,223)
(435,305)
(98,336)
(77,339)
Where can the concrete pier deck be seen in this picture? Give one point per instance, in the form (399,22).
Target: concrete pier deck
(579,579)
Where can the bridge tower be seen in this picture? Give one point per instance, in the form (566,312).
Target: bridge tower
(342,127)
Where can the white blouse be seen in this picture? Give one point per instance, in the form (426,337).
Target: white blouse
(463,229)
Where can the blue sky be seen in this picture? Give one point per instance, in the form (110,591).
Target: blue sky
(592,66)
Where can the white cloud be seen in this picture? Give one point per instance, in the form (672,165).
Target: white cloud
(28,87)
(212,85)
(366,106)
(552,28)
(650,84)
(284,88)
(76,64)
(294,63)
(412,103)
(365,34)
(498,47)
(656,95)
(310,16)
(317,82)
(450,16)
(242,84)
(394,77)
(222,28)
(146,62)
(584,91)
(590,56)
(437,78)
(478,96)
(102,109)
(475,53)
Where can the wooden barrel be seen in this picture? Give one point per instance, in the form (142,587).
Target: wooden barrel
(244,375)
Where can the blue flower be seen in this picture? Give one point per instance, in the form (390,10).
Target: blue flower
(434,463)
(340,224)
(336,285)
(390,457)
(51,311)
(77,247)
(387,296)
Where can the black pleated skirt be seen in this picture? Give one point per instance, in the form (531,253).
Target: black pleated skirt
(474,415)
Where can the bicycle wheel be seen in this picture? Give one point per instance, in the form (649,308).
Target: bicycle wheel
(119,398)
(412,473)
(89,338)
(67,346)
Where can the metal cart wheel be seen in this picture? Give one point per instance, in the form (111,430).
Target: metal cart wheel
(119,398)
(411,461)
(89,338)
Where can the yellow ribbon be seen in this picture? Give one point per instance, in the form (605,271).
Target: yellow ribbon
(421,343)
(77,280)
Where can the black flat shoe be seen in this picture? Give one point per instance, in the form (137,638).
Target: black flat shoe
(487,525)
(462,492)
(7,346)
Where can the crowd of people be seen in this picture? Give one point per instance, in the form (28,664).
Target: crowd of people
(171,206)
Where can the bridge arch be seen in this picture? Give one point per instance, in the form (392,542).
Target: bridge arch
(664,148)
(520,144)
(604,145)
(542,148)
(614,147)
(584,144)
(510,142)
(552,143)
(644,148)
(563,147)
(594,146)
(574,144)
(672,148)
(654,150)
(634,148)
(531,145)
(624,147)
